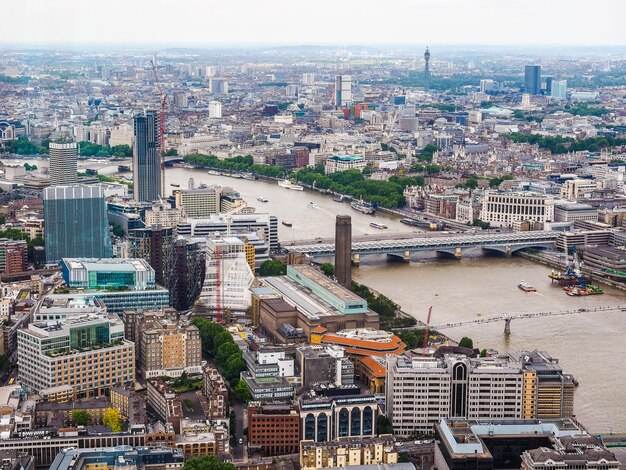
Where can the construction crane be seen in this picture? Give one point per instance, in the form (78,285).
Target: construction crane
(163,98)
(427,332)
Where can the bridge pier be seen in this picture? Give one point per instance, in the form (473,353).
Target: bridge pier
(457,252)
(507,251)
(507,326)
(407,256)
(356,259)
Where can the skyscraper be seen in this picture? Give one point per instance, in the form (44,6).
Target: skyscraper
(559,89)
(532,79)
(343,250)
(146,158)
(343,90)
(63,163)
(76,223)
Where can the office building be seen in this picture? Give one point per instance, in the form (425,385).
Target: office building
(269,363)
(344,163)
(324,365)
(559,89)
(162,214)
(199,438)
(360,342)
(508,209)
(486,85)
(554,396)
(343,250)
(519,443)
(114,273)
(343,91)
(187,277)
(573,212)
(420,391)
(77,351)
(63,168)
(122,457)
(200,203)
(215,110)
(346,452)
(308,78)
(155,245)
(269,388)
(273,428)
(226,260)
(233,224)
(76,223)
(146,157)
(311,299)
(532,79)
(329,412)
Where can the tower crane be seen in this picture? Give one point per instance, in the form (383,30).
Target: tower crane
(163,99)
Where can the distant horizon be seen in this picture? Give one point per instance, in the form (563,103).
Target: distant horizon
(243,23)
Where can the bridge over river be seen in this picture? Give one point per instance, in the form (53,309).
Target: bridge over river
(506,243)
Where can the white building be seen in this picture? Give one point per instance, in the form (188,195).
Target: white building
(121,135)
(508,209)
(343,163)
(63,168)
(421,391)
(227,256)
(574,189)
(215,109)
(559,89)
(163,215)
(486,85)
(308,78)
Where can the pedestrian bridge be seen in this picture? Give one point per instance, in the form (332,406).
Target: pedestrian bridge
(505,243)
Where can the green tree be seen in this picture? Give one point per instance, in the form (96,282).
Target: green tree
(483,353)
(112,419)
(171,152)
(272,267)
(243,392)
(5,362)
(208,462)
(466,342)
(328,269)
(121,151)
(383,425)
(81,418)
(118,231)
(225,351)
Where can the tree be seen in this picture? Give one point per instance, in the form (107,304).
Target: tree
(272,267)
(466,342)
(171,152)
(208,462)
(243,392)
(81,418)
(112,419)
(5,362)
(328,269)
(225,351)
(483,353)
(3,219)
(118,231)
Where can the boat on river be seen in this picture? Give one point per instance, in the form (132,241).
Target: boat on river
(526,286)
(290,185)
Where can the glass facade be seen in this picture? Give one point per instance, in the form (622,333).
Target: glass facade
(368,421)
(343,422)
(355,422)
(146,159)
(76,223)
(309,426)
(104,279)
(322,427)
(89,336)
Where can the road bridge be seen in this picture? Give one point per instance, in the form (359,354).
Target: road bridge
(506,243)
(507,318)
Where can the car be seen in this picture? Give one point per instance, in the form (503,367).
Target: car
(240,441)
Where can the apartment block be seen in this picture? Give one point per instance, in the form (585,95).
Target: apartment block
(273,428)
(348,452)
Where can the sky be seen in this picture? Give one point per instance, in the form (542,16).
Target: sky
(267,22)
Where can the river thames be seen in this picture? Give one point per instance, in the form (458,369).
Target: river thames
(590,346)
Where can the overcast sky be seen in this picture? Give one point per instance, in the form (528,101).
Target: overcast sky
(227,22)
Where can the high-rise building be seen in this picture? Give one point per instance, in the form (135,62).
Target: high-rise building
(532,79)
(218,85)
(76,350)
(199,203)
(486,85)
(215,109)
(63,163)
(185,282)
(156,245)
(226,261)
(308,78)
(343,250)
(559,89)
(343,90)
(76,223)
(420,391)
(146,158)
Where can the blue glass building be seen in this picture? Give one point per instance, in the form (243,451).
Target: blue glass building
(75,223)
(146,158)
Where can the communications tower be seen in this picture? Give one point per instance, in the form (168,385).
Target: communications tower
(427,68)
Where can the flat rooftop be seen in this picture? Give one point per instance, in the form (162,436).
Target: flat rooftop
(326,283)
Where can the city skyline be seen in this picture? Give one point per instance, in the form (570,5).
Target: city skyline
(443,22)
